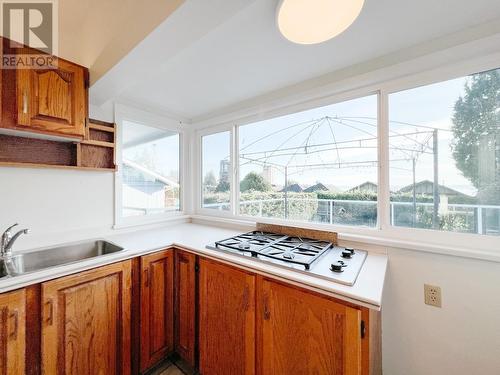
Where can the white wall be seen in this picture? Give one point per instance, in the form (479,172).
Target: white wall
(462,337)
(68,203)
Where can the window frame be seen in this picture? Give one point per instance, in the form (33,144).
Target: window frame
(383,232)
(199,172)
(127,113)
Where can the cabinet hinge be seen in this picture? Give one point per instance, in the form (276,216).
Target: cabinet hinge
(363,329)
(196,267)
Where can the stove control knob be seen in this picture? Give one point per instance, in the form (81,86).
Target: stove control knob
(336,267)
(347,254)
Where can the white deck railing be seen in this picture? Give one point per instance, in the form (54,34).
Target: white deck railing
(483,218)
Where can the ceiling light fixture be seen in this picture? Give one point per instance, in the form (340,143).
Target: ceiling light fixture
(316,21)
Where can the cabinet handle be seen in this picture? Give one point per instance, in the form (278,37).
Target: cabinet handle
(50,318)
(267,311)
(146,277)
(246,299)
(14,315)
(25,102)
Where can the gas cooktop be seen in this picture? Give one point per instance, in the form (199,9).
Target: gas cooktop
(316,257)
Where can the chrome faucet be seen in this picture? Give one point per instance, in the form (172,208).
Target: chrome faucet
(8,240)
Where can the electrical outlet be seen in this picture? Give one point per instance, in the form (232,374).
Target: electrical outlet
(432,295)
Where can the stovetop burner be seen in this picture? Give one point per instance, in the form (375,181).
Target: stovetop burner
(290,249)
(309,256)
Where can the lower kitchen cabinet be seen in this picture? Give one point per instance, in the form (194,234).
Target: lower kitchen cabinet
(227,319)
(218,318)
(157,301)
(86,322)
(185,306)
(300,332)
(12,332)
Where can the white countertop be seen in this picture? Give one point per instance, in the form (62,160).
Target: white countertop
(367,291)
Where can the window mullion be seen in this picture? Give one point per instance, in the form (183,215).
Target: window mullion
(235,196)
(383,206)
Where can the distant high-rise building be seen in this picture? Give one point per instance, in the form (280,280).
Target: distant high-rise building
(224,171)
(267,174)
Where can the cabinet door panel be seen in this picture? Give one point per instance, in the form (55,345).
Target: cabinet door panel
(54,95)
(156,307)
(52,100)
(86,322)
(185,301)
(227,320)
(12,332)
(303,333)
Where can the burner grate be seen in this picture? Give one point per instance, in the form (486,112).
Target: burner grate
(296,250)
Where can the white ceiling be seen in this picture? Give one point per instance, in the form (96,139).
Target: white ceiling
(227,52)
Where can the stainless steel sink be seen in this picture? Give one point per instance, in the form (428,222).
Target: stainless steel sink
(56,256)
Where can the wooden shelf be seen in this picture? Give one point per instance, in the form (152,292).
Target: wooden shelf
(98,143)
(97,150)
(101,127)
(55,166)
(94,153)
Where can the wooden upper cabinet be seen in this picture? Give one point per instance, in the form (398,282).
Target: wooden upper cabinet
(12,332)
(227,320)
(303,333)
(157,300)
(185,306)
(86,322)
(52,100)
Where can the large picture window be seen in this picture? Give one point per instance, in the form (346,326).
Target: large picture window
(441,141)
(444,143)
(316,166)
(150,170)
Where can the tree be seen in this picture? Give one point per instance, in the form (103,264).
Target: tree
(209,179)
(222,187)
(476,124)
(254,182)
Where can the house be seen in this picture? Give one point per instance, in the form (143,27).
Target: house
(146,190)
(115,114)
(426,187)
(293,188)
(364,187)
(316,187)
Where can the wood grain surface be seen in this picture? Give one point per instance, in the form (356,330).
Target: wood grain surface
(299,232)
(227,320)
(86,322)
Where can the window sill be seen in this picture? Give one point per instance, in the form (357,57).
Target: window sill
(489,255)
(141,221)
(370,239)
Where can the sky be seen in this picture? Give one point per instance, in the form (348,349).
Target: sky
(215,147)
(352,124)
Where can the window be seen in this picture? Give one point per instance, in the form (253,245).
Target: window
(150,170)
(322,165)
(216,171)
(444,143)
(318,165)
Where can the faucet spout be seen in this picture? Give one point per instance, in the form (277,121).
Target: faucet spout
(8,240)
(8,247)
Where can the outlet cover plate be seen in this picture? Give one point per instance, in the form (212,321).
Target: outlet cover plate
(432,295)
